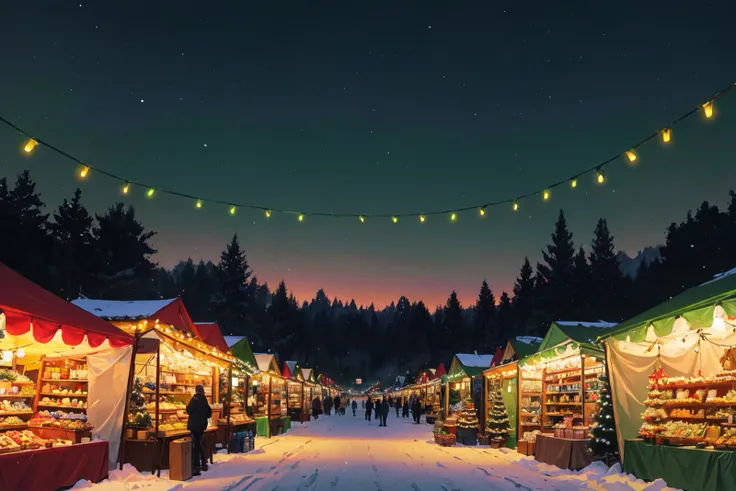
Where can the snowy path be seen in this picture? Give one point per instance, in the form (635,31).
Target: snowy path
(346,453)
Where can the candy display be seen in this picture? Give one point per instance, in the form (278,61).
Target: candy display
(13,376)
(11,421)
(8,408)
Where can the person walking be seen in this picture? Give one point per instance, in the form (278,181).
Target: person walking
(199,411)
(384,411)
(355,406)
(368,409)
(405,409)
(337,405)
(377,408)
(328,405)
(362,403)
(397,405)
(390,402)
(417,410)
(316,407)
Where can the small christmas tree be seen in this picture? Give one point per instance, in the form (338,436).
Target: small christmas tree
(604,442)
(138,416)
(467,418)
(498,418)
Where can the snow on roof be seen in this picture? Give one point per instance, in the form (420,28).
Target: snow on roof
(720,276)
(529,339)
(231,340)
(122,309)
(599,324)
(263,360)
(475,360)
(306,372)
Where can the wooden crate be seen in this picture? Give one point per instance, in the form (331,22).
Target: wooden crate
(48,432)
(526,448)
(180,459)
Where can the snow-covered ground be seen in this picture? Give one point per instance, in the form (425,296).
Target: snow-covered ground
(346,453)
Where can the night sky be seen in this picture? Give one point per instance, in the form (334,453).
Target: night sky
(388,107)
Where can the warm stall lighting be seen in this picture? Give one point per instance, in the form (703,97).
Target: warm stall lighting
(708,109)
(631,155)
(574,183)
(666,135)
(546,194)
(30,145)
(83,173)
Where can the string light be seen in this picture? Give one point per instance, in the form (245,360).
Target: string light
(30,145)
(665,133)
(232,210)
(708,109)
(199,203)
(600,176)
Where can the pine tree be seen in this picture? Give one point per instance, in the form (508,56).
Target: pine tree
(524,298)
(138,416)
(505,317)
(235,294)
(604,442)
(498,417)
(454,323)
(122,255)
(558,271)
(485,314)
(607,280)
(581,294)
(72,234)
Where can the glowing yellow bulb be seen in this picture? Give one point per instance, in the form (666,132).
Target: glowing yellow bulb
(126,187)
(422,218)
(362,219)
(453,217)
(708,109)
(83,173)
(301,217)
(600,176)
(516,206)
(232,210)
(395,219)
(268,213)
(199,203)
(546,195)
(574,183)
(666,135)
(30,145)
(150,192)
(631,156)
(482,211)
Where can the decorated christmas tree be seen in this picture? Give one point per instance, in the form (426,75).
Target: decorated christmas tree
(603,442)
(138,416)
(498,418)
(467,418)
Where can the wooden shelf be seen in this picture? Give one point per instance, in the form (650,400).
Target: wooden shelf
(62,407)
(562,404)
(23,426)
(22,383)
(65,380)
(553,392)
(15,396)
(71,396)
(26,413)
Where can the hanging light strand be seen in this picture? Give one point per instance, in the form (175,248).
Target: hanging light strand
(629,155)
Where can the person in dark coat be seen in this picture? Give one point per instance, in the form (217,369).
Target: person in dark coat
(405,409)
(397,405)
(355,406)
(337,405)
(368,409)
(199,411)
(417,410)
(390,402)
(316,407)
(384,411)
(328,405)
(377,408)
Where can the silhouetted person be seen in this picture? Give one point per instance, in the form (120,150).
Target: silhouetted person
(199,411)
(397,405)
(377,408)
(405,409)
(417,410)
(316,407)
(355,406)
(368,409)
(384,411)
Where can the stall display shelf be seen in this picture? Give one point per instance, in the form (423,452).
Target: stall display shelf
(68,380)
(562,404)
(16,396)
(23,426)
(16,413)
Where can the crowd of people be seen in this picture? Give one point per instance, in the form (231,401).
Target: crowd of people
(376,409)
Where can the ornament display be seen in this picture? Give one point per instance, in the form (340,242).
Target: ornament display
(498,426)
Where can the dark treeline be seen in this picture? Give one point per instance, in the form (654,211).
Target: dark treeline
(72,252)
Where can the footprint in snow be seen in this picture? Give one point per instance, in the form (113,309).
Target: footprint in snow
(334,481)
(375,469)
(485,471)
(312,478)
(440,465)
(295,464)
(458,458)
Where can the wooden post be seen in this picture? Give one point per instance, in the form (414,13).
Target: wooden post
(131,374)
(268,407)
(447,398)
(302,403)
(582,389)
(229,405)
(158,396)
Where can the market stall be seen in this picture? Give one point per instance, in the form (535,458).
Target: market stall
(311,390)
(559,390)
(268,396)
(63,376)
(295,389)
(465,379)
(171,360)
(673,380)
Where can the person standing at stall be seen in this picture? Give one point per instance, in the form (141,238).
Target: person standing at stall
(316,407)
(405,409)
(199,411)
(397,405)
(337,405)
(416,410)
(377,408)
(384,411)
(368,409)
